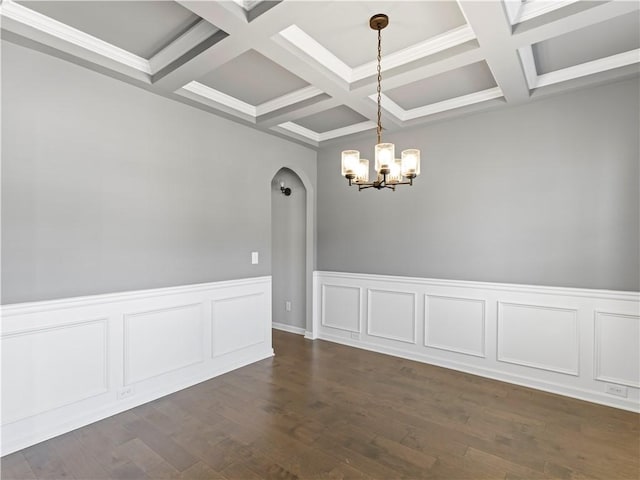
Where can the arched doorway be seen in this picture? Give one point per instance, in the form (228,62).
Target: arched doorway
(289,252)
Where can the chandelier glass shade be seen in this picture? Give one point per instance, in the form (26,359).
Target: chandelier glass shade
(390,171)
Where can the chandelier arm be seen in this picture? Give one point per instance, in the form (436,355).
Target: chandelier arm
(356,169)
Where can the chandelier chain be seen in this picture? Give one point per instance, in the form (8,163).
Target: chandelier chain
(379,129)
(390,171)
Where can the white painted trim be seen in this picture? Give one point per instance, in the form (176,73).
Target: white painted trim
(219,97)
(534,8)
(589,68)
(9,310)
(300,130)
(288,328)
(214,353)
(243,107)
(529,66)
(181,45)
(288,99)
(38,21)
(483,353)
(105,382)
(576,340)
(512,7)
(507,287)
(547,386)
(436,44)
(301,40)
(50,430)
(348,130)
(126,374)
(597,350)
(323,309)
(575,369)
(414,338)
(112,310)
(449,104)
(320,137)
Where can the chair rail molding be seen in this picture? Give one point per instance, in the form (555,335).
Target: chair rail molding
(569,341)
(92,357)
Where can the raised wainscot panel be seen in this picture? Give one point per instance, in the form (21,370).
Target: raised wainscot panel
(455,324)
(162,340)
(617,348)
(47,368)
(538,336)
(392,315)
(341,307)
(237,323)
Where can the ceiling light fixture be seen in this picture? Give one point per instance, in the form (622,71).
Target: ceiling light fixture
(390,170)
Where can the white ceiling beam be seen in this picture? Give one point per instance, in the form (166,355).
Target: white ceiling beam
(243,36)
(296,113)
(525,35)
(493,30)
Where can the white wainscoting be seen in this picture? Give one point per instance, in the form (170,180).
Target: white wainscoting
(568,341)
(67,363)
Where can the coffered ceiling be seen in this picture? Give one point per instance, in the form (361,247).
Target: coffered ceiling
(306,71)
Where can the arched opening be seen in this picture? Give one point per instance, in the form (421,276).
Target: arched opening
(289,252)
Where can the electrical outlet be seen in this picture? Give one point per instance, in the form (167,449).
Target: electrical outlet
(124,392)
(287,306)
(617,390)
(355,335)
(254,258)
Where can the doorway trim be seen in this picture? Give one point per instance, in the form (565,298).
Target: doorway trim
(310,250)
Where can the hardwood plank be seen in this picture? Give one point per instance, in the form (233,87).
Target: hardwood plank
(326,411)
(15,467)
(161,444)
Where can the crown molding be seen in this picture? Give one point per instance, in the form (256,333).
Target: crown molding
(219,97)
(33,19)
(300,130)
(185,42)
(288,99)
(449,104)
(301,40)
(348,130)
(415,52)
(534,8)
(589,68)
(528,66)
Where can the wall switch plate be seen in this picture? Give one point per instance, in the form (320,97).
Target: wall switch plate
(124,392)
(617,390)
(287,306)
(254,258)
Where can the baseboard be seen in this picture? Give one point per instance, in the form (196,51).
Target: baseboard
(121,350)
(550,387)
(570,341)
(51,430)
(288,328)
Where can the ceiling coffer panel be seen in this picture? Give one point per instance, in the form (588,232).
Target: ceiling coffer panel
(252,78)
(140,27)
(601,40)
(331,119)
(347,34)
(455,83)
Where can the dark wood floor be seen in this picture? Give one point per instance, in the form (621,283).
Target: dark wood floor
(321,410)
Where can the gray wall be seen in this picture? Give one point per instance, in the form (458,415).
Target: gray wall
(544,193)
(288,247)
(106,187)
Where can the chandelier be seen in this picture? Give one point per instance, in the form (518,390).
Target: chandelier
(390,170)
